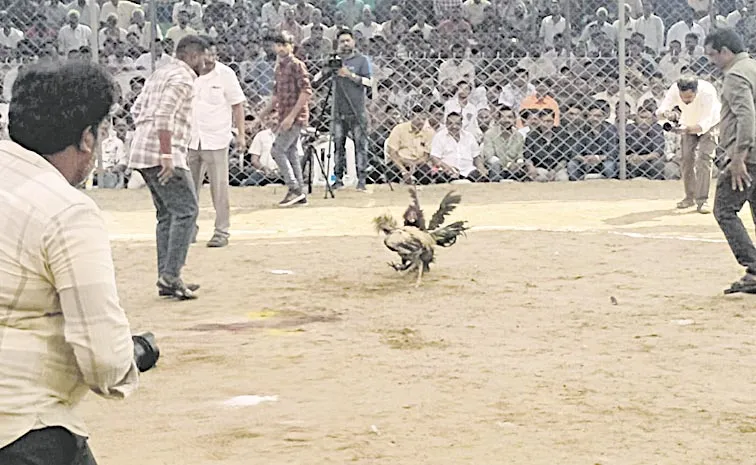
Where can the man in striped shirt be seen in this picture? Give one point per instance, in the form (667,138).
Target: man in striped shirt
(62,330)
(163,115)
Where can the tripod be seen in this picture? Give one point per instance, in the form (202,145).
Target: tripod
(331,97)
(309,149)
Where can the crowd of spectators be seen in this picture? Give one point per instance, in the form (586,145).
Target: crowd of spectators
(484,90)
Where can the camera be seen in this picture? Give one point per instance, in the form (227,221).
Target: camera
(146,351)
(670,126)
(334,62)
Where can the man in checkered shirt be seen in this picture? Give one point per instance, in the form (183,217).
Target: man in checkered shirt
(163,115)
(291,93)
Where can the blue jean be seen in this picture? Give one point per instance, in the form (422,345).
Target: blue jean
(356,127)
(176,205)
(577,170)
(284,152)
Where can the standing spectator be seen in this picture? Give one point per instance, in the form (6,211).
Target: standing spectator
(84,8)
(352,11)
(272,13)
(396,27)
(291,95)
(193,10)
(316,19)
(538,65)
(73,35)
(502,147)
(163,119)
(178,32)
(408,147)
(218,104)
(629,26)
(645,144)
(475,11)
(559,56)
(598,151)
(552,25)
(692,51)
(695,105)
(463,105)
(9,35)
(143,29)
(652,28)
(600,25)
(454,29)
(316,45)
(339,23)
(456,153)
(123,9)
(422,25)
(682,28)
(111,31)
(443,8)
(303,12)
(290,25)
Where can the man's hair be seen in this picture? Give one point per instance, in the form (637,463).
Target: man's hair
(602,105)
(691,35)
(573,104)
(725,37)
(191,43)
(687,83)
(344,31)
(503,108)
(53,104)
(85,49)
(281,38)
(648,105)
(453,113)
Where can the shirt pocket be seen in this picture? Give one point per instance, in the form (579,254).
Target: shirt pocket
(214,95)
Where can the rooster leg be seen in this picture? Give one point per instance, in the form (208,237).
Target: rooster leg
(419,276)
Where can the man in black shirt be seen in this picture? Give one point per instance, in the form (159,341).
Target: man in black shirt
(545,149)
(598,152)
(645,144)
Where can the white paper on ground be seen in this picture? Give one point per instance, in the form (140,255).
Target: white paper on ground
(246,401)
(281,272)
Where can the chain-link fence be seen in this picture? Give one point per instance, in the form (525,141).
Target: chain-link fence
(534,86)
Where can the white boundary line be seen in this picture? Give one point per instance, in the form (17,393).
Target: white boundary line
(250,233)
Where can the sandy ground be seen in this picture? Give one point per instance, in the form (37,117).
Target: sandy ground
(513,351)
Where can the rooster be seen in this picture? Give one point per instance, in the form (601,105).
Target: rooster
(414,242)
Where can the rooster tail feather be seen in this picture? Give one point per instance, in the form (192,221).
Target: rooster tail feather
(448,204)
(384,223)
(447,236)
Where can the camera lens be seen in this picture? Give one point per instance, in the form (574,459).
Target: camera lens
(146,352)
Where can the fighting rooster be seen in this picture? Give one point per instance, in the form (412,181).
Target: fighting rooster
(414,242)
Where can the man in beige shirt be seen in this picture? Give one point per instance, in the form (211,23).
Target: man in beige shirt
(408,147)
(62,331)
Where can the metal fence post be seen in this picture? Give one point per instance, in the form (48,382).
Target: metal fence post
(621,111)
(95,27)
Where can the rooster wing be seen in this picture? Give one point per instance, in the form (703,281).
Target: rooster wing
(448,204)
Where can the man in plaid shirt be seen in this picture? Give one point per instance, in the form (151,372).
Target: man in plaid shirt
(162,115)
(291,94)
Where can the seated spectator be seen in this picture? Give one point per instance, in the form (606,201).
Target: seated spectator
(484,119)
(611,95)
(303,12)
(74,35)
(111,31)
(456,154)
(655,91)
(545,152)
(517,89)
(114,155)
(645,145)
(367,28)
(542,100)
(144,62)
(598,151)
(292,26)
(182,29)
(560,55)
(453,28)
(119,62)
(422,25)
(671,63)
(436,116)
(600,25)
(316,45)
(462,104)
(262,168)
(192,8)
(502,148)
(396,27)
(408,148)
(692,50)
(143,29)
(456,68)
(133,48)
(538,65)
(9,35)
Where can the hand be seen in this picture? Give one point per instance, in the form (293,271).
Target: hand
(241,143)
(166,173)
(344,72)
(739,174)
(634,159)
(286,124)
(269,173)
(670,115)
(693,129)
(593,159)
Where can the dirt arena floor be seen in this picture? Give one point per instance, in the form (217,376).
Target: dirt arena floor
(576,324)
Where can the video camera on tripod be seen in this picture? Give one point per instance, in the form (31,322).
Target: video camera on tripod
(334,62)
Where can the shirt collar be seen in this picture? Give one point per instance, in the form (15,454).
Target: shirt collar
(738,57)
(183,64)
(17,151)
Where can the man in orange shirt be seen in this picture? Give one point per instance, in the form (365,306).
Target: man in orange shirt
(541,100)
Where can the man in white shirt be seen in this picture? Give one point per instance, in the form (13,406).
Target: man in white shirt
(63,332)
(115,159)
(218,102)
(193,9)
(9,35)
(122,8)
(73,35)
(264,169)
(679,30)
(455,152)
(515,91)
(178,32)
(694,104)
(272,13)
(552,25)
(652,28)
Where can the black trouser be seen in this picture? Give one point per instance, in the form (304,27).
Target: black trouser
(727,204)
(48,446)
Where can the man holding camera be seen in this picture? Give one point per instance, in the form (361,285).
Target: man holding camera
(352,80)
(63,331)
(692,107)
